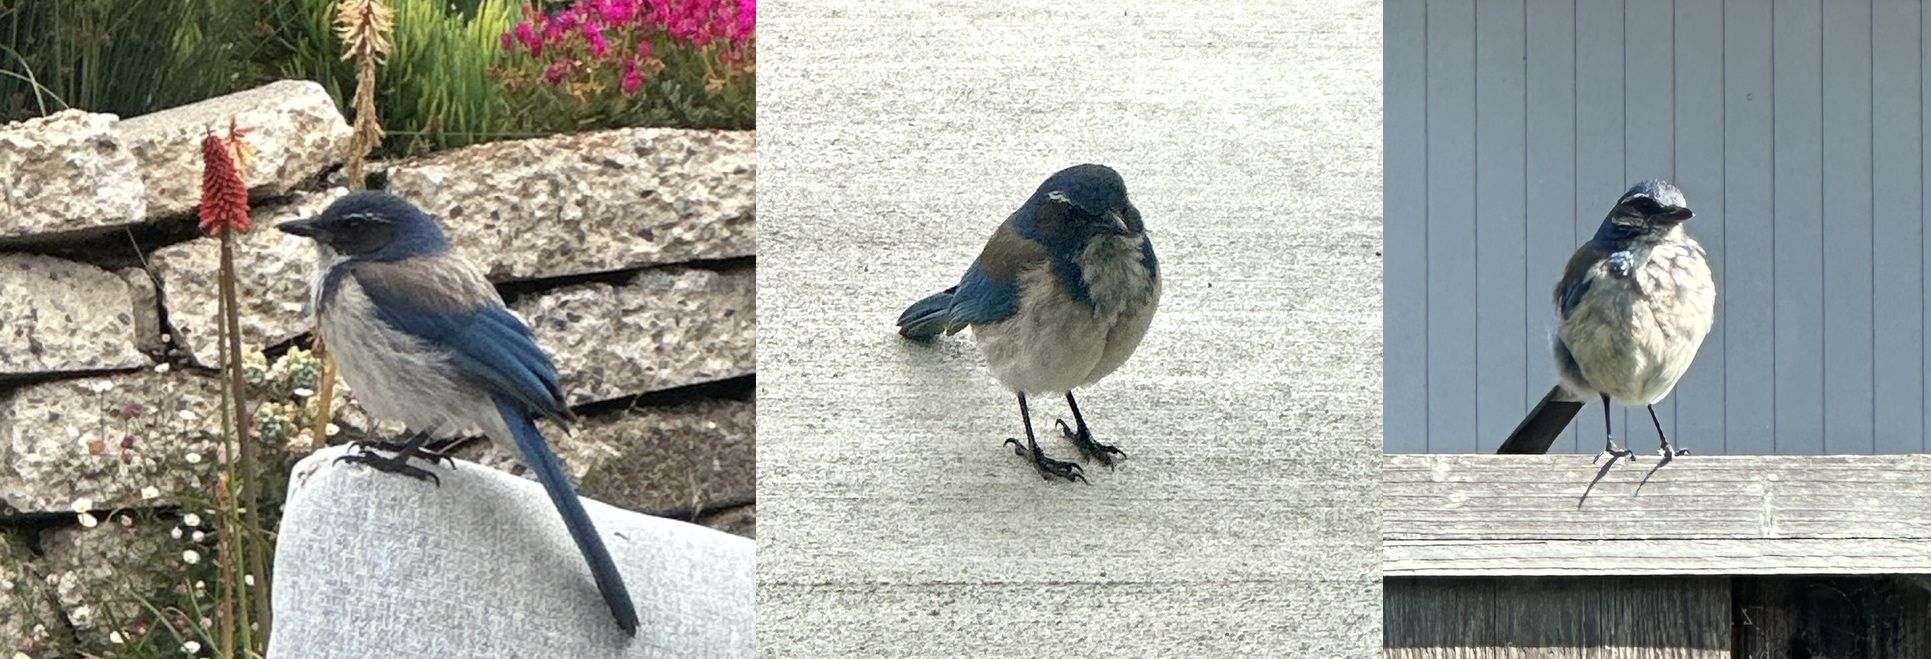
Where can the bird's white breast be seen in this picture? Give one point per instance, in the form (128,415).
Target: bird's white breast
(1056,342)
(1634,337)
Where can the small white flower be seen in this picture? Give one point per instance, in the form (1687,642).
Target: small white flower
(21,655)
(191,647)
(83,504)
(188,415)
(191,556)
(198,536)
(248,579)
(176,533)
(160,368)
(126,521)
(191,519)
(116,638)
(194,458)
(206,623)
(303,392)
(333,429)
(87,520)
(150,492)
(200,585)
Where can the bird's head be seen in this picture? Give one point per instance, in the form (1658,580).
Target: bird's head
(1080,202)
(372,225)
(1651,207)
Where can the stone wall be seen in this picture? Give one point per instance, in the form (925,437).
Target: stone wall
(630,252)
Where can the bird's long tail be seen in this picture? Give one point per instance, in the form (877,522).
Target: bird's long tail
(536,453)
(1539,430)
(927,318)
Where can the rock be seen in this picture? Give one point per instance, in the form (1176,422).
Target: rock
(742,520)
(681,461)
(592,202)
(661,329)
(293,125)
(62,316)
(68,171)
(272,272)
(105,439)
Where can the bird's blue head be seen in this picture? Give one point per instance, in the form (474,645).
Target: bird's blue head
(1652,207)
(372,226)
(1078,203)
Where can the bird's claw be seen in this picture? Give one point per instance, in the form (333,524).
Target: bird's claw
(1083,438)
(396,464)
(1048,467)
(408,450)
(1613,451)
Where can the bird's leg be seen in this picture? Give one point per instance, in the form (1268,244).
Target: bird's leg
(1048,467)
(1609,435)
(1667,450)
(398,463)
(1083,437)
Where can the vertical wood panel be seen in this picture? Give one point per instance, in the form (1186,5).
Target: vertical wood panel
(1699,172)
(1897,266)
(1749,373)
(1804,617)
(1649,138)
(1616,617)
(1551,184)
(1451,225)
(1500,229)
(1599,151)
(1846,179)
(1404,229)
(1799,225)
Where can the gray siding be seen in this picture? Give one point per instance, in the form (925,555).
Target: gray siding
(1795,127)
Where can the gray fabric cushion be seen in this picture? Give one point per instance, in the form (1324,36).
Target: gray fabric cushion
(372,564)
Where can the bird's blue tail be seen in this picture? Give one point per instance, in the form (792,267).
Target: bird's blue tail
(536,453)
(927,318)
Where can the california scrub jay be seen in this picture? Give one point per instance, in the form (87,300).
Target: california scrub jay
(1635,303)
(424,339)
(1060,297)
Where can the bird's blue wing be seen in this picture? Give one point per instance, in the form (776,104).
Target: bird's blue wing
(1576,277)
(982,298)
(481,336)
(989,291)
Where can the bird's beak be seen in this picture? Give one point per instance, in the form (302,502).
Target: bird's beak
(1123,224)
(304,228)
(1675,214)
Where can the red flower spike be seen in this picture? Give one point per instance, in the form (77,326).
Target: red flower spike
(224,197)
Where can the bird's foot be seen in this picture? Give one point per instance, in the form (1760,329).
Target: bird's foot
(1670,452)
(1083,438)
(391,464)
(1610,449)
(408,450)
(1048,467)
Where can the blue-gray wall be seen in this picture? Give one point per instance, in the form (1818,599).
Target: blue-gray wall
(1796,129)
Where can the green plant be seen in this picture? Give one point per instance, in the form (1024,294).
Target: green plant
(126,57)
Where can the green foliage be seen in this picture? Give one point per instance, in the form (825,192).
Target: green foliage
(127,57)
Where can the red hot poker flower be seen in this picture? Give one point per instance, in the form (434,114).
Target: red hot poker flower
(224,197)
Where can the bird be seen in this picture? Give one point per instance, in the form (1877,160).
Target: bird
(1634,304)
(424,339)
(1060,297)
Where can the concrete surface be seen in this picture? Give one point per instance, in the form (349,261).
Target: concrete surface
(371,564)
(895,135)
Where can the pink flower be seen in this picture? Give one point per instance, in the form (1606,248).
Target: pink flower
(594,34)
(644,50)
(526,34)
(554,74)
(633,80)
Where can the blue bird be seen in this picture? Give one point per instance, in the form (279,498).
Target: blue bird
(1635,303)
(1060,297)
(425,340)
